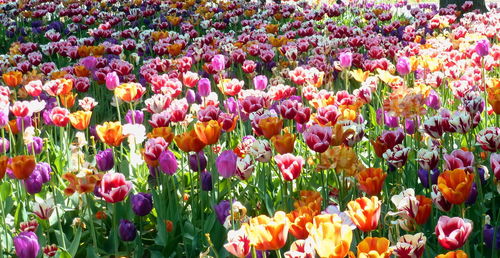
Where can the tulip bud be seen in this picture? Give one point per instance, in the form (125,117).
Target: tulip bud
(204,87)
(168,162)
(104,160)
(345,59)
(206,181)
(218,63)
(142,203)
(482,47)
(112,80)
(403,66)
(26,245)
(197,161)
(260,82)
(127,230)
(134,117)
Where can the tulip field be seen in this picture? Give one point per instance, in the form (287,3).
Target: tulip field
(234,128)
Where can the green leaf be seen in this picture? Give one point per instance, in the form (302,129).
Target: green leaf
(73,248)
(5,190)
(64,254)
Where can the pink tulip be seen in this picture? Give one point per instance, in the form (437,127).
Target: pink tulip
(260,82)
(218,63)
(452,232)
(345,59)
(289,165)
(238,243)
(112,80)
(114,187)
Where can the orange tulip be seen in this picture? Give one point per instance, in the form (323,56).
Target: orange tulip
(12,126)
(272,28)
(12,78)
(81,71)
(110,133)
(454,254)
(57,75)
(174,49)
(83,51)
(4,160)
(283,143)
(372,247)
(379,147)
(371,180)
(494,99)
(208,132)
(98,50)
(270,126)
(189,141)
(80,119)
(67,86)
(68,100)
(341,158)
(309,198)
(331,238)
(164,132)
(455,185)
(81,184)
(267,233)
(299,219)
(365,213)
(22,166)
(129,92)
(424,209)
(339,135)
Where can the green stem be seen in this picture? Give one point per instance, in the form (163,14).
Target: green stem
(115,228)
(91,220)
(59,219)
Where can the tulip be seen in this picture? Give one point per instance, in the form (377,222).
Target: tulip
(489,139)
(35,147)
(110,133)
(410,246)
(197,161)
(44,208)
(218,63)
(403,66)
(22,166)
(167,162)
(283,143)
(365,213)
(142,203)
(318,138)
(244,167)
(330,237)
(298,220)
(26,245)
(129,92)
(270,126)
(289,165)
(12,78)
(80,120)
(127,230)
(189,141)
(406,203)
(206,181)
(4,160)
(428,159)
(114,188)
(60,116)
(40,175)
(439,201)
(459,159)
(267,233)
(301,248)
(455,185)
(433,100)
(453,254)
(204,88)
(452,232)
(28,226)
(134,117)
(222,210)
(482,47)
(261,150)
(112,81)
(208,132)
(489,233)
(50,250)
(495,165)
(472,195)
(424,209)
(397,156)
(423,175)
(345,59)
(371,180)
(260,82)
(4,145)
(238,243)
(374,247)
(104,160)
(226,163)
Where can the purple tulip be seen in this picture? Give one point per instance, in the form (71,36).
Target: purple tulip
(403,66)
(423,175)
(190,96)
(226,163)
(204,87)
(260,82)
(23,123)
(390,121)
(206,181)
(433,100)
(134,117)
(127,230)
(35,146)
(26,245)
(345,59)
(197,161)
(4,117)
(472,195)
(39,176)
(222,210)
(459,159)
(104,160)
(218,63)
(488,233)
(142,203)
(483,47)
(168,162)
(112,80)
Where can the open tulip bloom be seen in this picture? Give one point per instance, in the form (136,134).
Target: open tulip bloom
(249,128)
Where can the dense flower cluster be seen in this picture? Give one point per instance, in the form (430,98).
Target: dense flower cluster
(216,128)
